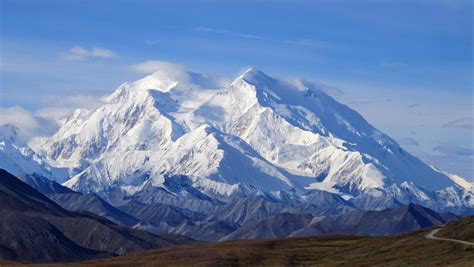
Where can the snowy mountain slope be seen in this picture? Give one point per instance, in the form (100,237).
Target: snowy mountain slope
(20,160)
(256,135)
(359,155)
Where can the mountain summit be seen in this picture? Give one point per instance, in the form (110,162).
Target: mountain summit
(197,137)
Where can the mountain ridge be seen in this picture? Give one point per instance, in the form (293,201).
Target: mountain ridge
(36,229)
(254,136)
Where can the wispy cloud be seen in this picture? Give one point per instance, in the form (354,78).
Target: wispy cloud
(228,32)
(360,102)
(178,72)
(463,123)
(152,66)
(298,42)
(408,141)
(448,149)
(80,53)
(102,52)
(328,89)
(413,106)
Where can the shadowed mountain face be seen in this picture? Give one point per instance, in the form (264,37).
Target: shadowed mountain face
(161,213)
(322,213)
(93,204)
(377,223)
(25,234)
(20,197)
(280,225)
(75,201)
(44,185)
(35,239)
(34,228)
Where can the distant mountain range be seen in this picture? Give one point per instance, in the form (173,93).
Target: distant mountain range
(35,229)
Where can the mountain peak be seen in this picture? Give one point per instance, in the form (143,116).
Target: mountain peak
(252,70)
(253,75)
(219,136)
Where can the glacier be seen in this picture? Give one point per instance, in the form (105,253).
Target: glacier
(204,140)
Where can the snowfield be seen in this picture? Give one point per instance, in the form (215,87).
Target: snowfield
(256,135)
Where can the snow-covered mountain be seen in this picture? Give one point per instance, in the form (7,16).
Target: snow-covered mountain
(197,138)
(20,160)
(17,158)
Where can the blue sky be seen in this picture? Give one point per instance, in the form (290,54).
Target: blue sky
(405,65)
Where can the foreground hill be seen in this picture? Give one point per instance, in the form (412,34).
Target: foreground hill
(407,249)
(35,229)
(461,229)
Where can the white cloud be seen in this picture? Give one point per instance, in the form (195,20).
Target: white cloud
(152,66)
(76,53)
(172,72)
(18,116)
(165,68)
(45,121)
(30,125)
(55,113)
(102,52)
(80,53)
